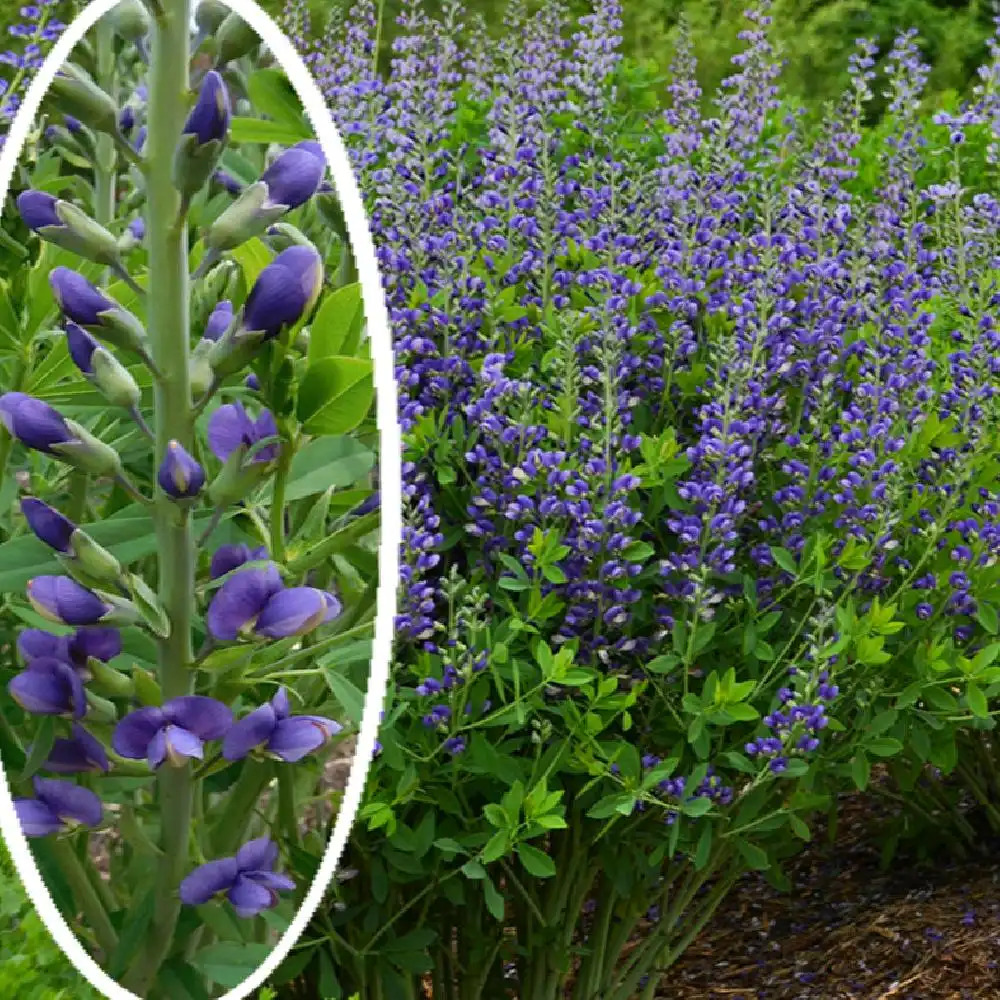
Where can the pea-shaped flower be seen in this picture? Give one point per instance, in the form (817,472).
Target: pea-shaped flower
(88,306)
(61,599)
(231,428)
(77,649)
(38,426)
(204,136)
(63,224)
(101,368)
(296,611)
(290,181)
(271,730)
(249,880)
(48,524)
(180,476)
(239,602)
(48,686)
(227,182)
(58,806)
(240,443)
(79,754)
(226,558)
(218,321)
(175,733)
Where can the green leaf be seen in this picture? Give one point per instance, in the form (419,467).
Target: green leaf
(977,701)
(252,256)
(272,94)
(988,618)
(339,315)
(347,694)
(228,963)
(494,901)
(755,857)
(861,771)
(45,737)
(259,130)
(133,931)
(885,746)
(336,395)
(535,862)
(330,461)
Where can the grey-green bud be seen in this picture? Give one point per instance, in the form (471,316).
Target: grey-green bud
(235,39)
(237,478)
(130,20)
(88,453)
(248,216)
(75,93)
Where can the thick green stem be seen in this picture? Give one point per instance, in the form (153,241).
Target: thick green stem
(278,503)
(169,337)
(240,802)
(106,161)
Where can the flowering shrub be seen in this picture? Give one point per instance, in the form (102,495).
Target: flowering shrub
(189,573)
(700,488)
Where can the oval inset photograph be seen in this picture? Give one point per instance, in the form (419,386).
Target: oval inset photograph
(200,496)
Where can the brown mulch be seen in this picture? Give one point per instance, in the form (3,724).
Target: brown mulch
(851,930)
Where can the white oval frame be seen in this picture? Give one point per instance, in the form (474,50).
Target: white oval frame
(390,486)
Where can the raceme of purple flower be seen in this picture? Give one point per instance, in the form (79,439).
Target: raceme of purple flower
(58,806)
(48,686)
(76,648)
(173,733)
(249,880)
(271,730)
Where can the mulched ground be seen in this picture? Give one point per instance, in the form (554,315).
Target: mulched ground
(850,930)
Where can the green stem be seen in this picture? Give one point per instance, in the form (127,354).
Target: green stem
(105,165)
(278,503)
(85,895)
(242,798)
(169,336)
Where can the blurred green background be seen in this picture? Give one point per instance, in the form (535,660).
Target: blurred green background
(815,35)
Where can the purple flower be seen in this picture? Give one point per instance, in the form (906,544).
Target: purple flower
(34,423)
(296,611)
(174,733)
(81,346)
(58,806)
(81,301)
(100,643)
(38,209)
(240,600)
(48,524)
(180,476)
(219,320)
(292,179)
(249,880)
(81,753)
(209,119)
(285,291)
(231,428)
(48,686)
(62,599)
(289,738)
(229,557)
(137,227)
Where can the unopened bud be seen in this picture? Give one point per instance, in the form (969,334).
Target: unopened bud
(75,93)
(235,39)
(88,453)
(62,223)
(130,20)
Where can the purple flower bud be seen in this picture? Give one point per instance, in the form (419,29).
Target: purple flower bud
(229,557)
(140,139)
(292,179)
(231,428)
(296,611)
(34,423)
(219,320)
(57,806)
(48,686)
(74,125)
(289,738)
(369,505)
(126,120)
(82,753)
(252,382)
(62,599)
(248,879)
(180,476)
(81,301)
(285,291)
(81,346)
(240,600)
(227,182)
(137,227)
(38,209)
(48,524)
(209,119)
(174,733)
